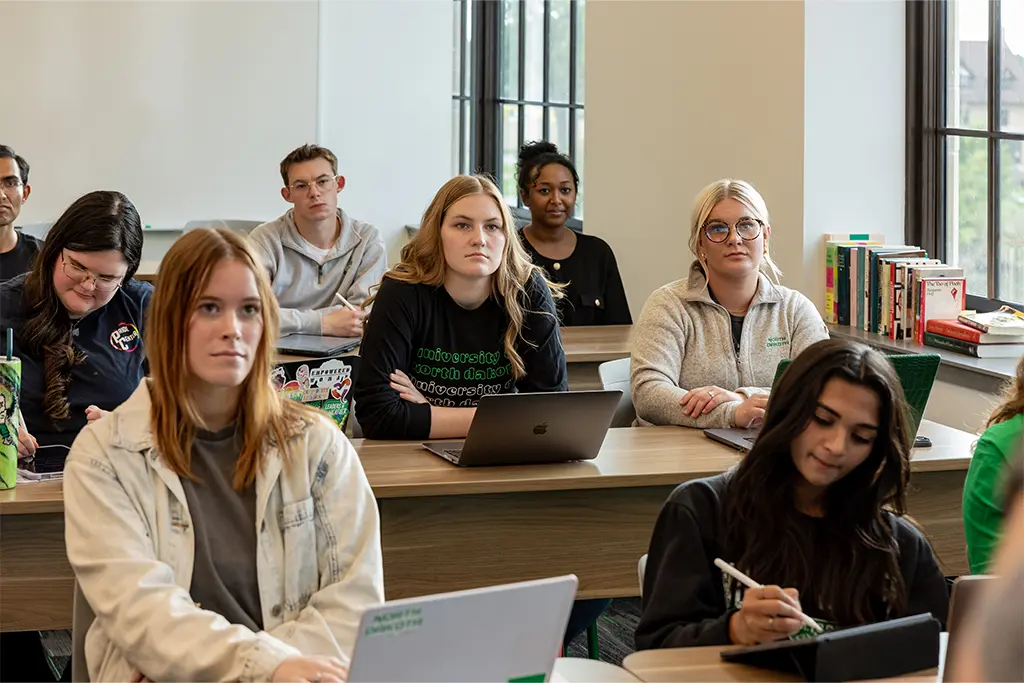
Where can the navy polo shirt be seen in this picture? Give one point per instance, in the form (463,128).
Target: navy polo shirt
(110,339)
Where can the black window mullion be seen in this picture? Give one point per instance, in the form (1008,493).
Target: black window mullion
(486,153)
(570,112)
(994,95)
(463,10)
(546,88)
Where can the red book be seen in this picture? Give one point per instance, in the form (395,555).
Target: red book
(957,330)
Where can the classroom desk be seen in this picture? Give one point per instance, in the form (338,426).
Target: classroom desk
(585,349)
(447,528)
(678,665)
(147,271)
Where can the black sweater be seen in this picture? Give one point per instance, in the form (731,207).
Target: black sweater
(453,355)
(684,598)
(594,294)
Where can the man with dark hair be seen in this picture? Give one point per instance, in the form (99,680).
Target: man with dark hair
(17,250)
(318,257)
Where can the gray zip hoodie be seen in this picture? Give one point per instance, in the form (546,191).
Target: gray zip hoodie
(304,287)
(683,340)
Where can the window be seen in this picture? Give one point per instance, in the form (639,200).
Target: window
(965,136)
(518,77)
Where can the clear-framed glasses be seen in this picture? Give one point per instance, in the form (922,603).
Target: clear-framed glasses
(746,228)
(78,274)
(10,184)
(323,183)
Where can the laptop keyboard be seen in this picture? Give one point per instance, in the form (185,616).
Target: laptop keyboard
(452,454)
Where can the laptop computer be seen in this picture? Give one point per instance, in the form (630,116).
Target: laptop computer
(501,633)
(916,373)
(322,383)
(315,345)
(526,429)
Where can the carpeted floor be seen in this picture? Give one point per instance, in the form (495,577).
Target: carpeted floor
(615,632)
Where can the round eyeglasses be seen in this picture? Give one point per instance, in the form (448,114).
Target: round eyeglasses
(78,275)
(747,228)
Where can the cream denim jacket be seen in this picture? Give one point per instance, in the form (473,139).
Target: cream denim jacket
(130,541)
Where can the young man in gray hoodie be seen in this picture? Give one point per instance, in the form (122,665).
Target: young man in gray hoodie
(318,257)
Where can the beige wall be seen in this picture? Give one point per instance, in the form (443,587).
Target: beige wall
(680,93)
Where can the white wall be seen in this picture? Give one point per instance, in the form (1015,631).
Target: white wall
(188,107)
(680,94)
(854,125)
(386,84)
(805,99)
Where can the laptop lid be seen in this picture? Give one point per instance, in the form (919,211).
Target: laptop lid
(321,383)
(315,345)
(916,372)
(501,633)
(522,429)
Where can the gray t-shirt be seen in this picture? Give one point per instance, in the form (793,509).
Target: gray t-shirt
(224,576)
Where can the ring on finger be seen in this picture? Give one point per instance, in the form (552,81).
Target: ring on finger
(771,623)
(711,394)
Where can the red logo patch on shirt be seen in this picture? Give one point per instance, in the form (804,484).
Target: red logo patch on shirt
(125,337)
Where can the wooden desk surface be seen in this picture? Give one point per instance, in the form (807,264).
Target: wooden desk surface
(649,456)
(596,344)
(147,271)
(705,664)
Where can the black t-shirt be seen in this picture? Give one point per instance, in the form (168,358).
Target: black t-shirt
(110,339)
(19,260)
(688,602)
(453,355)
(594,294)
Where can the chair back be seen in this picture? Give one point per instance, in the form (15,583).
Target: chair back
(81,619)
(614,374)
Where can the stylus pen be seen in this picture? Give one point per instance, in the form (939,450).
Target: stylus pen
(750,583)
(344,302)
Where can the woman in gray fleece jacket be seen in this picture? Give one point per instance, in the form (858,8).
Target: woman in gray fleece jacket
(706,347)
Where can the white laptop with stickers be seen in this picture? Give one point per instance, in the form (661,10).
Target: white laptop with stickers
(509,633)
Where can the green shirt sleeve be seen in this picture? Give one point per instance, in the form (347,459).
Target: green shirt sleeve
(983,499)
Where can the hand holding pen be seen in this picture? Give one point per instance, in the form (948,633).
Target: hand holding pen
(344,322)
(767,612)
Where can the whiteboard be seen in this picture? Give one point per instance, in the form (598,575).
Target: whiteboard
(186,107)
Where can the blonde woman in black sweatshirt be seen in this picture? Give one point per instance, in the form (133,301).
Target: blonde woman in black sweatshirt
(815,511)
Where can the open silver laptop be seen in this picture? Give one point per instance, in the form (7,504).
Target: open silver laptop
(502,633)
(523,429)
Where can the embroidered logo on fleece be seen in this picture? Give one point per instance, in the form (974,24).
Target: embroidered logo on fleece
(125,337)
(776,342)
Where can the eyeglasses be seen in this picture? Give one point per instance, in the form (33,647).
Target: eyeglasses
(78,274)
(10,184)
(323,183)
(746,228)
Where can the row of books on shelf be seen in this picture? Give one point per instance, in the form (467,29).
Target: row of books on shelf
(998,334)
(897,291)
(888,289)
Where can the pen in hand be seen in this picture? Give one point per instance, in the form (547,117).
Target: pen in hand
(750,583)
(344,302)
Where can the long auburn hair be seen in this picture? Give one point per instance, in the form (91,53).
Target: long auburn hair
(422,259)
(103,220)
(1012,403)
(261,414)
(853,569)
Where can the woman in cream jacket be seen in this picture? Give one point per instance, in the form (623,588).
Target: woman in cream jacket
(218,531)
(706,347)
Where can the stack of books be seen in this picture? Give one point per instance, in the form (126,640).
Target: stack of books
(888,289)
(999,334)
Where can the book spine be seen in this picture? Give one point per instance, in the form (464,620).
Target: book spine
(830,294)
(981,327)
(938,341)
(948,328)
(842,286)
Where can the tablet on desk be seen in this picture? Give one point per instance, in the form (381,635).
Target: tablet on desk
(315,345)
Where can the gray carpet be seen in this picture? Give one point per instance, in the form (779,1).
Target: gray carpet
(615,631)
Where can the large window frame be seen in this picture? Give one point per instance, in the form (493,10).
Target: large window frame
(928,135)
(478,129)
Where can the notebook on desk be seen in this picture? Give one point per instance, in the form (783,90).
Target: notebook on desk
(916,373)
(501,633)
(527,429)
